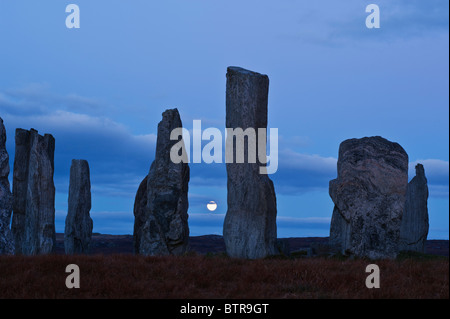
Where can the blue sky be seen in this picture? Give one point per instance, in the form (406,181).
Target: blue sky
(100,91)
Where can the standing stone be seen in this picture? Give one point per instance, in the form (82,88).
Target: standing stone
(165,230)
(414,229)
(369,196)
(6,199)
(33,222)
(140,206)
(249,228)
(78,230)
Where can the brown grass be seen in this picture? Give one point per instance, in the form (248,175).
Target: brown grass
(128,276)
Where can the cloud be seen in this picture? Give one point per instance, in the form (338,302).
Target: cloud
(417,16)
(314,162)
(299,173)
(37,99)
(438,191)
(211,175)
(19,102)
(79,103)
(296,141)
(118,159)
(400,20)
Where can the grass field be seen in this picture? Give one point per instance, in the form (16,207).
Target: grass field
(217,276)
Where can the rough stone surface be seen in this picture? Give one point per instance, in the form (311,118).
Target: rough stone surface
(369,196)
(414,228)
(6,199)
(165,230)
(33,222)
(140,206)
(78,230)
(249,228)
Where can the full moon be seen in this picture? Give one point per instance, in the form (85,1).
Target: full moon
(212,206)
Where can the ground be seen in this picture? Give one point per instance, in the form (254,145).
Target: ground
(213,275)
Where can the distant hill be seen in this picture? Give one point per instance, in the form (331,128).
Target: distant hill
(123,244)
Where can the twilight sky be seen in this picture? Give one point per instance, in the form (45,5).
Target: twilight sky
(100,91)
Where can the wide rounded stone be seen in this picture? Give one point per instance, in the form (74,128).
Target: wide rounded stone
(369,197)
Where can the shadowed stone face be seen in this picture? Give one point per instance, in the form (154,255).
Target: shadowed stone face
(250,224)
(140,205)
(369,195)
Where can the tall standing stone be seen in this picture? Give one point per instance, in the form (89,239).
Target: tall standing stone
(414,229)
(369,197)
(78,229)
(165,229)
(6,199)
(33,222)
(249,228)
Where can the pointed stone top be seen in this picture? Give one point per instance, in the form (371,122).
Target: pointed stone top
(170,111)
(170,119)
(171,116)
(420,171)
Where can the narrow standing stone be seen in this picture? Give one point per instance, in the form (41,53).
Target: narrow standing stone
(6,199)
(249,228)
(414,229)
(78,230)
(33,222)
(165,230)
